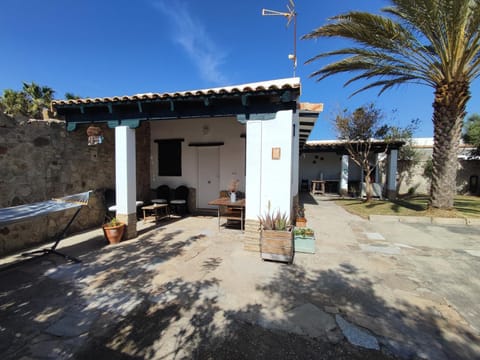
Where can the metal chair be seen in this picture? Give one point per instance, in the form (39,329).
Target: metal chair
(179,202)
(163,195)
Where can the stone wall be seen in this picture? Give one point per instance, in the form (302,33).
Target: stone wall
(41,160)
(414,181)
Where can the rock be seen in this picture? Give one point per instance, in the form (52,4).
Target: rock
(355,335)
(313,321)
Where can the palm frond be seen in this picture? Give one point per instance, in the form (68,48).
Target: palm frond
(425,41)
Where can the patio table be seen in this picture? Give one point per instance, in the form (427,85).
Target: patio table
(235,210)
(154,209)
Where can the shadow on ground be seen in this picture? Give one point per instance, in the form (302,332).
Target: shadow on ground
(109,307)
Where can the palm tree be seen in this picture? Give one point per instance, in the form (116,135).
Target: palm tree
(14,103)
(430,42)
(39,97)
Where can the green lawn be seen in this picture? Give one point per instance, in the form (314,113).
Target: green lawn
(465,206)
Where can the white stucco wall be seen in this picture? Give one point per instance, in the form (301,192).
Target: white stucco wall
(295,155)
(268,180)
(202,130)
(328,164)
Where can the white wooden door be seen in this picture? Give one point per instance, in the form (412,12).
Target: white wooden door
(208,176)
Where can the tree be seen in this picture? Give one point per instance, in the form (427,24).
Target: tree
(430,42)
(71,96)
(30,101)
(39,98)
(408,156)
(14,103)
(471,132)
(361,131)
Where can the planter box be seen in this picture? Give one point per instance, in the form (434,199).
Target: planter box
(276,245)
(304,244)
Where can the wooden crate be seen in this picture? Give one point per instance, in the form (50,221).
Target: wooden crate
(277,245)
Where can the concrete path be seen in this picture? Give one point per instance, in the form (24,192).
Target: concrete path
(186,290)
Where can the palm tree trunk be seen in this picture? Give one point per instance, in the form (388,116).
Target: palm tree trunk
(448,113)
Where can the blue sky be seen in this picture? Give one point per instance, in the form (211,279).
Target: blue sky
(124,47)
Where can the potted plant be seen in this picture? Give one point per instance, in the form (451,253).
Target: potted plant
(276,240)
(304,240)
(300,220)
(114,230)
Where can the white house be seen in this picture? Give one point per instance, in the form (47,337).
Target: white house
(203,139)
(327,162)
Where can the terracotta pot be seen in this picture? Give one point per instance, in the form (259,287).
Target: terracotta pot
(114,234)
(301,222)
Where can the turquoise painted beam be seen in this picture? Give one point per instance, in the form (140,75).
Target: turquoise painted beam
(245,101)
(131,123)
(242,118)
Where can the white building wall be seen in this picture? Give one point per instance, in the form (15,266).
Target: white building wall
(295,155)
(315,165)
(270,181)
(202,130)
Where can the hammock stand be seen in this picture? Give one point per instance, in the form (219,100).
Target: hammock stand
(21,213)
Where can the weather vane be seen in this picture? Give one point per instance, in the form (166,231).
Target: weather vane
(291,14)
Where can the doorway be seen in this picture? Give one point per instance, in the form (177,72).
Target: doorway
(208,176)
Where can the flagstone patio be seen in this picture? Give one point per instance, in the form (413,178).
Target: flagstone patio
(184,289)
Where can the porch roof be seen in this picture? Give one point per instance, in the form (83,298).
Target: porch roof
(308,115)
(246,101)
(339,146)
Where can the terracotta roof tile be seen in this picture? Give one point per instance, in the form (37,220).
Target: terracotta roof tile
(280,84)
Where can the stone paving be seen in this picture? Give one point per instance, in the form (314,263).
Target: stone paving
(184,288)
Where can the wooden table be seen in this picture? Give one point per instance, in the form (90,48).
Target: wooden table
(235,210)
(154,209)
(318,187)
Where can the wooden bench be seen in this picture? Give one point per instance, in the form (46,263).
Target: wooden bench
(154,213)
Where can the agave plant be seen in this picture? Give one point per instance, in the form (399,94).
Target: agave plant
(274,220)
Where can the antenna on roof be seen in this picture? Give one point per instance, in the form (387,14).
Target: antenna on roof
(290,15)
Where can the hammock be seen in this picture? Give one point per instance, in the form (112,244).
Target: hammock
(15,214)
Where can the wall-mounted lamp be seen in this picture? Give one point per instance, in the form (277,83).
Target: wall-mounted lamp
(205,129)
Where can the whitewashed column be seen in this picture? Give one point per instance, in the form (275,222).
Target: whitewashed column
(344,176)
(125,178)
(253,169)
(392,174)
